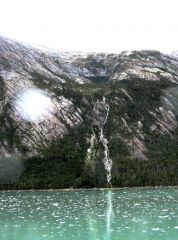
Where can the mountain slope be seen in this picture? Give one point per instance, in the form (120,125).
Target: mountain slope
(113,118)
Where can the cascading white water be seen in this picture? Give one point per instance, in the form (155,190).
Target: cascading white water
(106,160)
(90,151)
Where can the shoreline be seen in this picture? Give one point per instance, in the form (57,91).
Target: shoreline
(91,189)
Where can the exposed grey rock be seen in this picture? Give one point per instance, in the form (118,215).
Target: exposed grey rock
(72,82)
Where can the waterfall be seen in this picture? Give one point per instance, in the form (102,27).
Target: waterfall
(90,150)
(106,160)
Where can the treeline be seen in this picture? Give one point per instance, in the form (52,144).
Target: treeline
(62,164)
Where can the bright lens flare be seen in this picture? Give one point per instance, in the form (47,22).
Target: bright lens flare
(34,105)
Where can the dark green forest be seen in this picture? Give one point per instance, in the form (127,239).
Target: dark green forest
(62,163)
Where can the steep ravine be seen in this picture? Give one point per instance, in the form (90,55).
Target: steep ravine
(110,120)
(106,159)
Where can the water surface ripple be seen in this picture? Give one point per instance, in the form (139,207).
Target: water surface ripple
(92,215)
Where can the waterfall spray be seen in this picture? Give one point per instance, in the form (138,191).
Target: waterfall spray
(106,160)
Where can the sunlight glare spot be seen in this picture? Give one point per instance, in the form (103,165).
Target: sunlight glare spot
(34,105)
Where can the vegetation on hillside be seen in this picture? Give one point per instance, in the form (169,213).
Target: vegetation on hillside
(62,163)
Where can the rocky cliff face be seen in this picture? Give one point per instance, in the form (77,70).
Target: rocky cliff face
(112,111)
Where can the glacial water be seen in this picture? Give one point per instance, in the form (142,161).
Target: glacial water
(91,215)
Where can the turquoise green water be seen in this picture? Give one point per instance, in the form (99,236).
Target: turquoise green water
(91,215)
